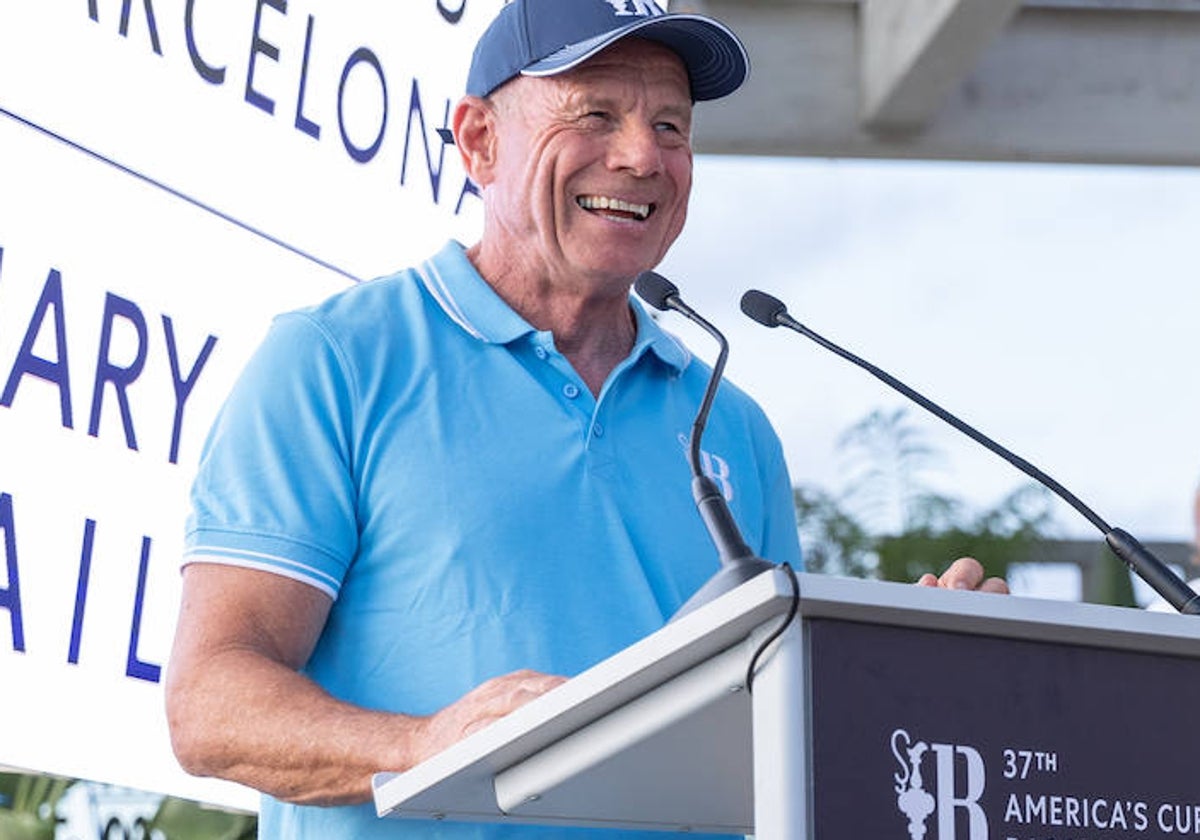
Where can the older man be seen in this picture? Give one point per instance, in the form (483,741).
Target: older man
(430,493)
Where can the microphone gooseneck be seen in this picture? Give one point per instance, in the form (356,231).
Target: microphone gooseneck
(772,312)
(663,295)
(738,561)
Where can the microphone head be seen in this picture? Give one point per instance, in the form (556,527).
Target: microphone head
(655,289)
(764,308)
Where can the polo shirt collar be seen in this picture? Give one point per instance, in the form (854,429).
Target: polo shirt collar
(650,336)
(468,300)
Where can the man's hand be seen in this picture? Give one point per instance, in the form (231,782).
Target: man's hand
(965,573)
(485,704)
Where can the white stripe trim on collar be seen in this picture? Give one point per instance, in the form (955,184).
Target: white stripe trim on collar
(441,293)
(687,354)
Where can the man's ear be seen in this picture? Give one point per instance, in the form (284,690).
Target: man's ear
(475,136)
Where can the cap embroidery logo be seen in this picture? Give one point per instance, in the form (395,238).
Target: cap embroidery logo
(638,8)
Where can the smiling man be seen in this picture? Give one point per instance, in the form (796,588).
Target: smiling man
(433,496)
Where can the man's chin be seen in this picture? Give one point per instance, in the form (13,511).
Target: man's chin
(619,262)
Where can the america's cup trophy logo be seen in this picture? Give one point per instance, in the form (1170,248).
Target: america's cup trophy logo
(911,797)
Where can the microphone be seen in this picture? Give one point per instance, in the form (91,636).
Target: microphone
(738,562)
(771,312)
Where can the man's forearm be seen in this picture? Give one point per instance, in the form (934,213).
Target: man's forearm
(245,718)
(240,709)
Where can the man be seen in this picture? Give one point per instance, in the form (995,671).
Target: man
(432,492)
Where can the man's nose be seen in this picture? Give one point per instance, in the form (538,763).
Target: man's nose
(637,149)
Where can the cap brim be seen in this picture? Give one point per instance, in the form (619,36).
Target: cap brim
(716,61)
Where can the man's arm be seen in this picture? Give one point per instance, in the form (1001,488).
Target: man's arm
(238,708)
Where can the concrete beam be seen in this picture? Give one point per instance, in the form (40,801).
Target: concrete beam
(916,52)
(1062,83)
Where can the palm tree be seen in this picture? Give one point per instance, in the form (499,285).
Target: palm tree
(887,521)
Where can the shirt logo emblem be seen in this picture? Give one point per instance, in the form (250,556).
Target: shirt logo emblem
(713,466)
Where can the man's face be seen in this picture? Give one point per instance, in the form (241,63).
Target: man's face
(594,165)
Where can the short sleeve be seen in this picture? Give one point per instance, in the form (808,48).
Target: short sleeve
(275,487)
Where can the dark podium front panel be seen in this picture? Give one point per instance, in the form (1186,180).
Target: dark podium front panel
(935,735)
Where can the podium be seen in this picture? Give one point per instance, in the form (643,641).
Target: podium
(884,710)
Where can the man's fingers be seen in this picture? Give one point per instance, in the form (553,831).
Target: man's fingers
(998,586)
(495,698)
(965,573)
(502,694)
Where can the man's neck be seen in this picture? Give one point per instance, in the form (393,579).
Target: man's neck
(592,324)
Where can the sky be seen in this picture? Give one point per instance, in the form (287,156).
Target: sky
(1052,307)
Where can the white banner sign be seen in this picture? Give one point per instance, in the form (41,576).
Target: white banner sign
(173,173)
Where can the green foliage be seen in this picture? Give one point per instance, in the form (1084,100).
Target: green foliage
(834,541)
(28,802)
(180,819)
(997,538)
(1113,585)
(888,523)
(27,805)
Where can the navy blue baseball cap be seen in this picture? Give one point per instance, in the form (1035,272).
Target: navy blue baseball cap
(545,37)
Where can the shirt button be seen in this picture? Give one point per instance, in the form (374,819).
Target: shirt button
(570,391)
(540,352)
(598,430)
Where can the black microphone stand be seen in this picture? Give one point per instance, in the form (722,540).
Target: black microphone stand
(772,312)
(739,563)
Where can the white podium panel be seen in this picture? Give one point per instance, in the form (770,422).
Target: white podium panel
(657,736)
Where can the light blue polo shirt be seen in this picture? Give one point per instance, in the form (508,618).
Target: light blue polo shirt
(416,450)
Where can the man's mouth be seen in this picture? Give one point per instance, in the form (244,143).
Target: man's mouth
(615,207)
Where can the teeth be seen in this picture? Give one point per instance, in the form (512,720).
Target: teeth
(599,202)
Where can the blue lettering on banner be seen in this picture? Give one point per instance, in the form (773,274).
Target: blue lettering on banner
(10,598)
(153,27)
(212,75)
(126,9)
(117,310)
(359,154)
(56,372)
(303,123)
(468,188)
(120,377)
(451,15)
(183,387)
(10,595)
(81,590)
(214,71)
(257,46)
(435,173)
(135,667)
